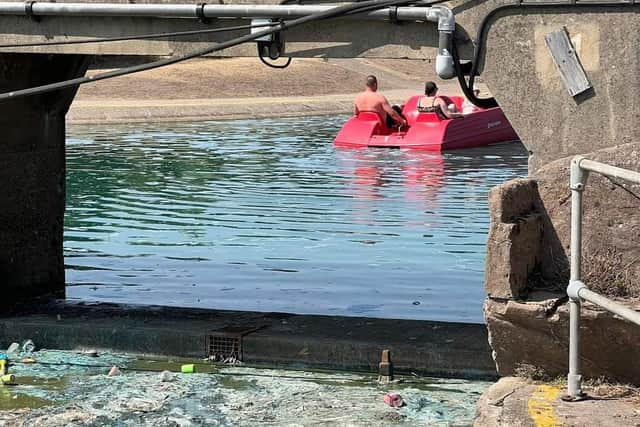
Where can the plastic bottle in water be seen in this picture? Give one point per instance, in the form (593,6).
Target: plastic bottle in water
(28,347)
(13,350)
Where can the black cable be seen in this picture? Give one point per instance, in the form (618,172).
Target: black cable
(466,87)
(139,37)
(364,9)
(277,43)
(271,64)
(281,26)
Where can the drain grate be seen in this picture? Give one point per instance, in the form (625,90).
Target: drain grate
(225,345)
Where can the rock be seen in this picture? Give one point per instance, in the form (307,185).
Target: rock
(114,371)
(528,252)
(90,353)
(489,408)
(514,240)
(166,376)
(536,334)
(67,418)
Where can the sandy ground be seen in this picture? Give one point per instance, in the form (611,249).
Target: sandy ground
(209,89)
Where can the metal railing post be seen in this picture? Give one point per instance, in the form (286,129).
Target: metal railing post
(578,291)
(578,182)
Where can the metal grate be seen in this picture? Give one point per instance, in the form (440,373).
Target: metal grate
(225,345)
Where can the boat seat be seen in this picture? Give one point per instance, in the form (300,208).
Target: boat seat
(427,118)
(381,127)
(369,115)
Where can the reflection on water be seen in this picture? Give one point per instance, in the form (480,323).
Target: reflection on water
(267,215)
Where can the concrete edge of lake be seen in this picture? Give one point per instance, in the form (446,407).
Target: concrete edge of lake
(447,349)
(88,111)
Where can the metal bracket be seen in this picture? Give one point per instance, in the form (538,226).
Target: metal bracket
(200,13)
(574,288)
(28,10)
(578,175)
(574,385)
(393,14)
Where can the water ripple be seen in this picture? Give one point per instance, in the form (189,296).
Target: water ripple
(267,215)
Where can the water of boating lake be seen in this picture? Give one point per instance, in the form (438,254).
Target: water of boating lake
(267,215)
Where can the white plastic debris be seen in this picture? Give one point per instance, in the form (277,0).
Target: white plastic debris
(28,347)
(166,376)
(13,350)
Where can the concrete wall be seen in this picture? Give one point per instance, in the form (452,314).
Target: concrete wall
(332,38)
(521,74)
(517,66)
(528,251)
(32,172)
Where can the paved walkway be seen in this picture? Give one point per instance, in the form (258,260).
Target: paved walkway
(516,402)
(243,88)
(119,111)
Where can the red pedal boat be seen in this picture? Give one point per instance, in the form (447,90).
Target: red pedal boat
(426,131)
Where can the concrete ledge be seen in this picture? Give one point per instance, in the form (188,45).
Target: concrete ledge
(425,347)
(520,402)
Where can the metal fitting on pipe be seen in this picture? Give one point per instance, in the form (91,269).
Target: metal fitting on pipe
(446,27)
(444,17)
(578,175)
(574,288)
(574,388)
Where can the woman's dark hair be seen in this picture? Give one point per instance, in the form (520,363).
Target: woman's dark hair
(430,88)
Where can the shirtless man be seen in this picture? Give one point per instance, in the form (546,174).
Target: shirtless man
(371,100)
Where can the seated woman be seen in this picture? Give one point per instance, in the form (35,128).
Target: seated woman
(431,103)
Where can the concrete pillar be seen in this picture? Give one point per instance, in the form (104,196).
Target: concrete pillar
(32,173)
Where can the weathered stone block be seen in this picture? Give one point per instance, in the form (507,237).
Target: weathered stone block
(513,199)
(537,333)
(514,238)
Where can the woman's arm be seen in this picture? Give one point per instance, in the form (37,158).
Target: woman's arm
(445,110)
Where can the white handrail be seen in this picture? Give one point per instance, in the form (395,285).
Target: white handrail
(577,290)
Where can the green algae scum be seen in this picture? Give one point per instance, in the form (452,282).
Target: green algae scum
(73,388)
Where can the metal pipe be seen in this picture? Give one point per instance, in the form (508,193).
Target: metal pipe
(612,306)
(446,26)
(609,170)
(190,10)
(577,291)
(578,180)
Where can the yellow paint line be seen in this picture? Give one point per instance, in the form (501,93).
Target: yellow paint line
(540,406)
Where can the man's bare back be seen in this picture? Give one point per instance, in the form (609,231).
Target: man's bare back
(371,100)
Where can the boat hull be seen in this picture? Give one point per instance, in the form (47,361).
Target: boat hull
(426,131)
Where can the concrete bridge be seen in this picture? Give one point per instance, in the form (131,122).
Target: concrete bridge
(505,40)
